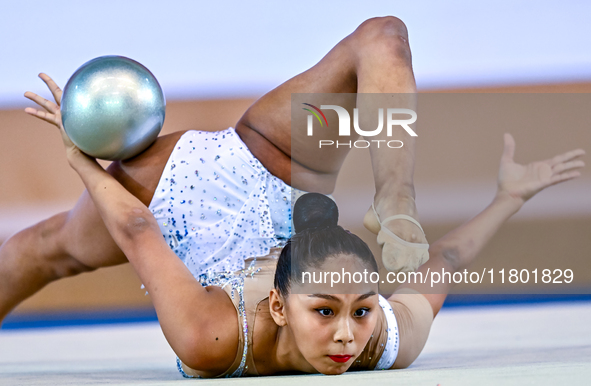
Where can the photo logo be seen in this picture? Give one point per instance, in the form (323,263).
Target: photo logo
(316,115)
(392,119)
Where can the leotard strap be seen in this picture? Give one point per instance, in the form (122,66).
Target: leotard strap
(392,343)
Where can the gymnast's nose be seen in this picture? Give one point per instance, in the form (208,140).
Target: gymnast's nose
(344,333)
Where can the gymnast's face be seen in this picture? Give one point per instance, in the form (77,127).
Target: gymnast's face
(331,326)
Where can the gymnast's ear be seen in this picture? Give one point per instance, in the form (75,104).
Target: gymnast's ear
(277,308)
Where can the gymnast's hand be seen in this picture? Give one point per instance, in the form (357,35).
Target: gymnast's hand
(524,181)
(52,114)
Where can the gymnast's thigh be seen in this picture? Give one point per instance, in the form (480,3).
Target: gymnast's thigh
(84,236)
(414,316)
(266,125)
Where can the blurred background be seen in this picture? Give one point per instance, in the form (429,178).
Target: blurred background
(214,59)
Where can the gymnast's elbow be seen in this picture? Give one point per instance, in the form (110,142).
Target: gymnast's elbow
(200,353)
(136,223)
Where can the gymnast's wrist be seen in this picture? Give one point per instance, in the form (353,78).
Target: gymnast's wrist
(512,202)
(78,159)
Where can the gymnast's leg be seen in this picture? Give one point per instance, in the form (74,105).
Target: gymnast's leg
(76,241)
(375,58)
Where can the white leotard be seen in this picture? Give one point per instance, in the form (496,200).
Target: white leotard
(216,204)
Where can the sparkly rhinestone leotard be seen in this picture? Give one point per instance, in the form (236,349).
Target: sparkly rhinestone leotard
(217,205)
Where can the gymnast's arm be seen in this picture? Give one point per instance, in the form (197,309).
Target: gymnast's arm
(457,249)
(200,323)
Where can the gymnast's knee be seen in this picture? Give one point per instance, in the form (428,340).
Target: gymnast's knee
(49,246)
(383,37)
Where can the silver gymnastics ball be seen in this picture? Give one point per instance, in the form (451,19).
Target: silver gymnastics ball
(112,108)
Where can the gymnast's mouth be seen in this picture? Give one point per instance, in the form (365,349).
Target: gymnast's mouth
(340,358)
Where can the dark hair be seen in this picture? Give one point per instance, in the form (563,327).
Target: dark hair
(317,237)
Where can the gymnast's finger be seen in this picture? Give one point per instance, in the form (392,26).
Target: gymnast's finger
(53,87)
(564,177)
(509,147)
(569,155)
(568,166)
(47,105)
(41,115)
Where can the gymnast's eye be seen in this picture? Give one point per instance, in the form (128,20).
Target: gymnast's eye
(324,311)
(361,312)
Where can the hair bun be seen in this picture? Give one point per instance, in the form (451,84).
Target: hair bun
(314,210)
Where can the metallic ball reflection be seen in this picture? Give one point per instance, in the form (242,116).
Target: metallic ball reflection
(112,108)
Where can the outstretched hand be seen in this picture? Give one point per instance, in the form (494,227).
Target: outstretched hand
(524,181)
(51,114)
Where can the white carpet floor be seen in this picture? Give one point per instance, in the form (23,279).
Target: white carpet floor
(532,344)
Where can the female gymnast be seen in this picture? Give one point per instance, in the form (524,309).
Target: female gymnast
(191,190)
(266,320)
